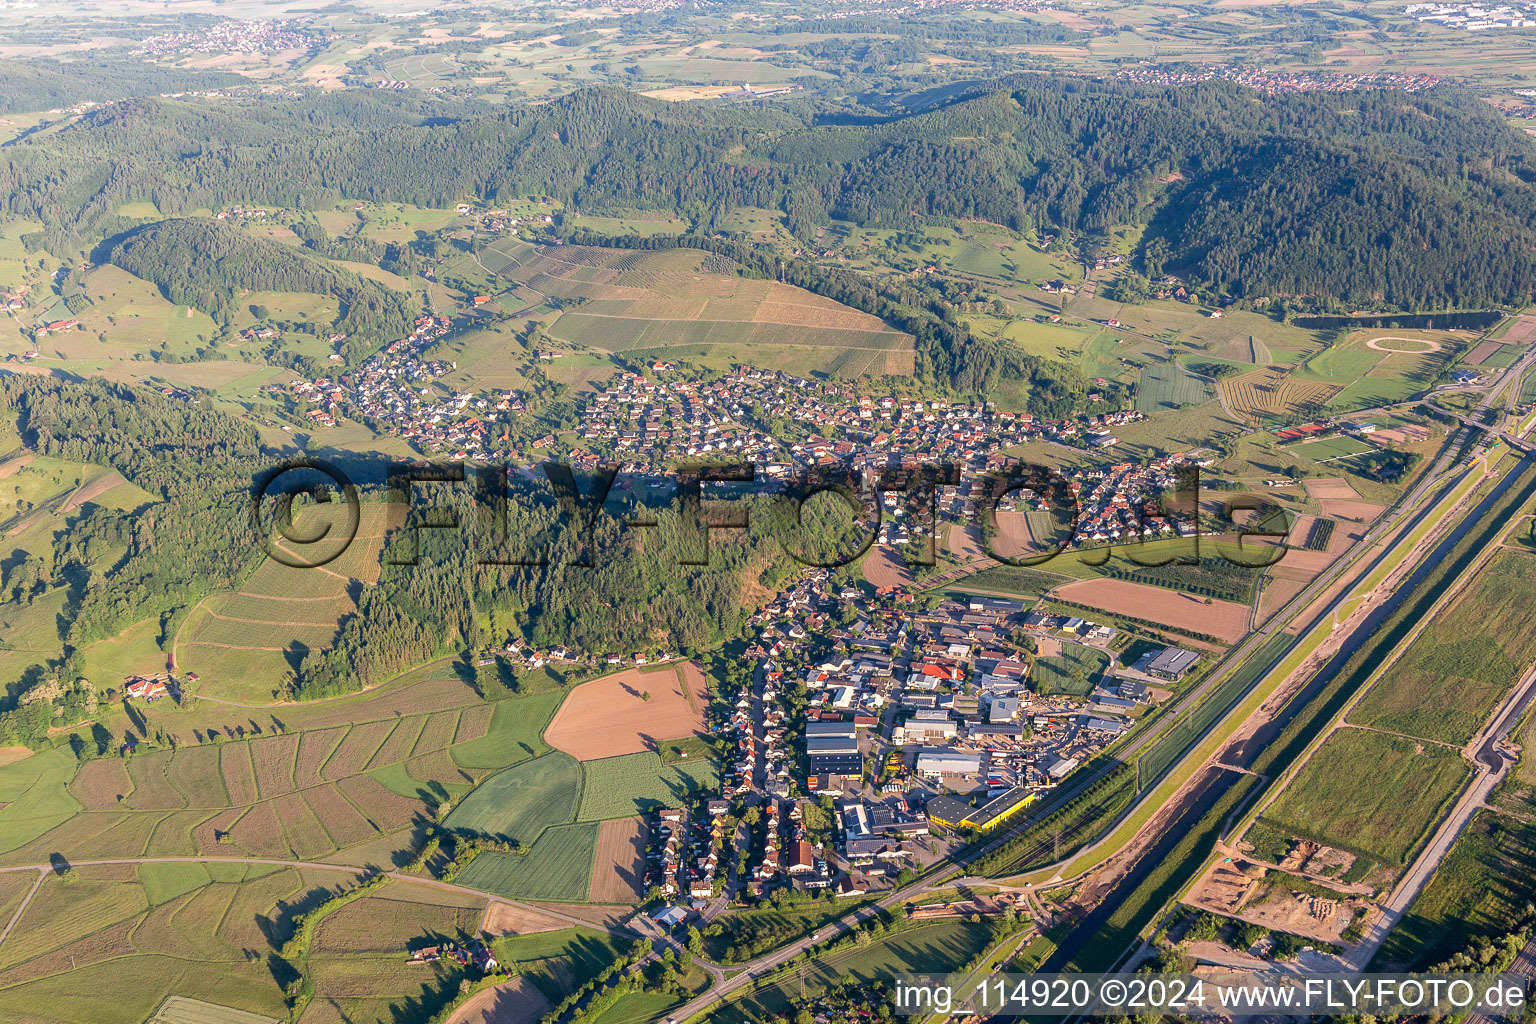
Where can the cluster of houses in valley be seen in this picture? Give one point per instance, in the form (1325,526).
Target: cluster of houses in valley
(392,389)
(643,424)
(647,422)
(262,35)
(1280,80)
(241,213)
(501,221)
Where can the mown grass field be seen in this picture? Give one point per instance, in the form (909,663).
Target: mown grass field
(618,787)
(181,1010)
(129,318)
(513,734)
(35,797)
(1371,793)
(1447,683)
(1169,385)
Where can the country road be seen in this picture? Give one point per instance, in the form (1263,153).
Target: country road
(755,968)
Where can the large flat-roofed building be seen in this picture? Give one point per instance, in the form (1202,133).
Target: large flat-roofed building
(998,810)
(832,751)
(955,814)
(948,762)
(946,811)
(1173,664)
(926,726)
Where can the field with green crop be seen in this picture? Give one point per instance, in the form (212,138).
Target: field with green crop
(558,866)
(617,787)
(1013,579)
(1482,888)
(1169,385)
(35,798)
(1447,683)
(520,802)
(1370,793)
(1330,448)
(513,735)
(1074,671)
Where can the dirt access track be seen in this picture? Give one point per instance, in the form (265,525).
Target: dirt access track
(612,715)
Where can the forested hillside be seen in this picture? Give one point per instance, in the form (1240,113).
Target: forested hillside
(198,538)
(629,593)
(195,539)
(209,265)
(45,84)
(1341,199)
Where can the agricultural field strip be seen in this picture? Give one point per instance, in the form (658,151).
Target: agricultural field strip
(42,876)
(281,793)
(701,320)
(365,692)
(351,869)
(1445,600)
